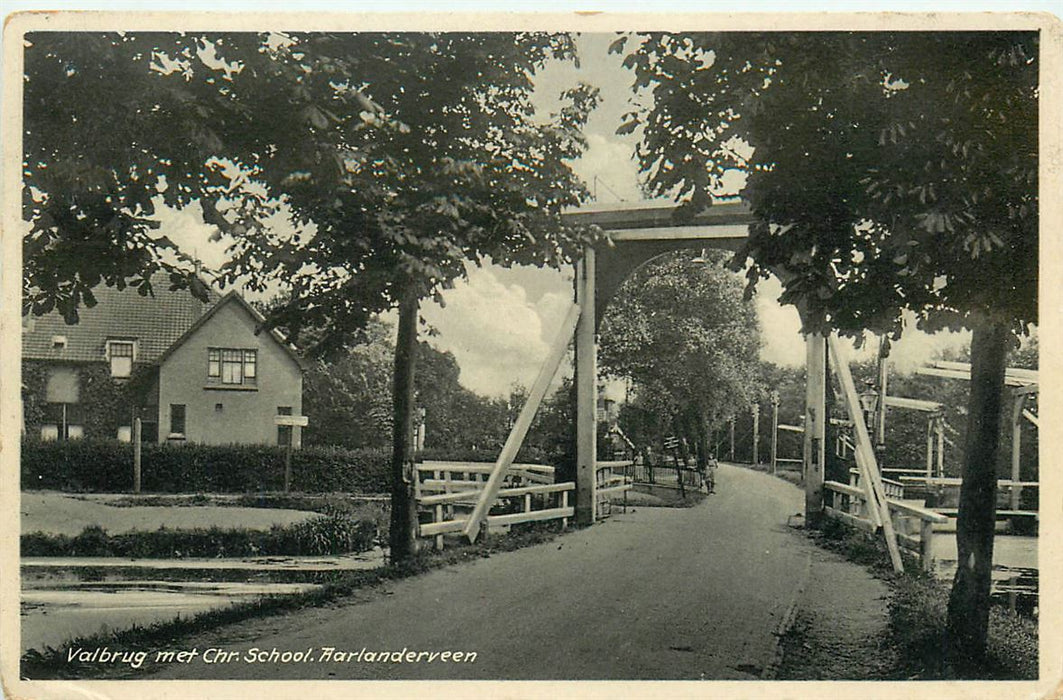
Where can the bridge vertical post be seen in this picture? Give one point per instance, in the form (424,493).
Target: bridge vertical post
(1016,449)
(586,391)
(814,452)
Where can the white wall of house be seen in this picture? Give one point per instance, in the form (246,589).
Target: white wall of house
(225,411)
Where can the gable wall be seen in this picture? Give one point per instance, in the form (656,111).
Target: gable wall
(246,416)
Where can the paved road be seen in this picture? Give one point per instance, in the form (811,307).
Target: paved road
(657,593)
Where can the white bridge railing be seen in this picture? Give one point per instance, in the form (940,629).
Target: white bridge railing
(447,492)
(913,525)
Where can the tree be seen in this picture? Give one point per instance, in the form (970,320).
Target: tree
(359,172)
(349,397)
(887,171)
(680,330)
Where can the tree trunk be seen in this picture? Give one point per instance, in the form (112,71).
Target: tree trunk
(968,611)
(403,537)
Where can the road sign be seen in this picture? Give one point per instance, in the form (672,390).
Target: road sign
(301,421)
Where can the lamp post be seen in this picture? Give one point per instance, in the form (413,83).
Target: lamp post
(869,405)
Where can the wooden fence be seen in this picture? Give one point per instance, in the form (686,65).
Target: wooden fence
(612,479)
(446,492)
(913,525)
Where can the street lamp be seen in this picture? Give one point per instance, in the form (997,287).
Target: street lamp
(869,404)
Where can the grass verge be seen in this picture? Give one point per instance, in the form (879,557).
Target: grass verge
(52,663)
(918,616)
(334,532)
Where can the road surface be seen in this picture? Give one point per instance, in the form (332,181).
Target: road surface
(656,593)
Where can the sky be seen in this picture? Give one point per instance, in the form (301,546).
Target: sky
(499,323)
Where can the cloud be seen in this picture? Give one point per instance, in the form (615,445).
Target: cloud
(498,335)
(610,159)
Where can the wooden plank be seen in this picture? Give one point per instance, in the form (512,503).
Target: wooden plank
(850,520)
(523,423)
(731,232)
(845,489)
(481,467)
(1009,380)
(619,464)
(791,428)
(473,494)
(920,512)
(966,367)
(1025,389)
(952,512)
(913,404)
(534,516)
(1028,415)
(865,454)
(957,481)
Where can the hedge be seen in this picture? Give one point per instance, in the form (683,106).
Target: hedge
(106,466)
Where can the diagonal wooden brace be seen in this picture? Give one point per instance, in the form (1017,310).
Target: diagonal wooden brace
(865,454)
(520,428)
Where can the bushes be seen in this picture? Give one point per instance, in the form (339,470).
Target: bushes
(334,533)
(106,466)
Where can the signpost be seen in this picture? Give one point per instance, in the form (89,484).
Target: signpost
(291,421)
(136,455)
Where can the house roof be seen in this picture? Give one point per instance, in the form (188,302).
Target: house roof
(156,322)
(233,298)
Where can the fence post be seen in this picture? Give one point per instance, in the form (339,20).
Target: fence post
(926,548)
(438,511)
(136,455)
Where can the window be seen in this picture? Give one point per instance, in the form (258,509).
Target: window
(62,421)
(120,353)
(177,420)
(232,365)
(284,432)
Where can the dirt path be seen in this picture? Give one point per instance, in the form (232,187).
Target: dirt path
(658,593)
(840,625)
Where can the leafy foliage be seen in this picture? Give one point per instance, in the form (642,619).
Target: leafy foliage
(680,330)
(343,167)
(887,171)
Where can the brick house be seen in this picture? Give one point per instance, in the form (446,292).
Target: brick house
(192,371)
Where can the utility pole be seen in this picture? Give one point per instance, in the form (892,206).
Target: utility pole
(732,424)
(883,380)
(756,434)
(774,431)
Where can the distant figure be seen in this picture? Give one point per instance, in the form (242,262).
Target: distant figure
(710,473)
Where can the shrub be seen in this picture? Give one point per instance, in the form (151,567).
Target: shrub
(107,466)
